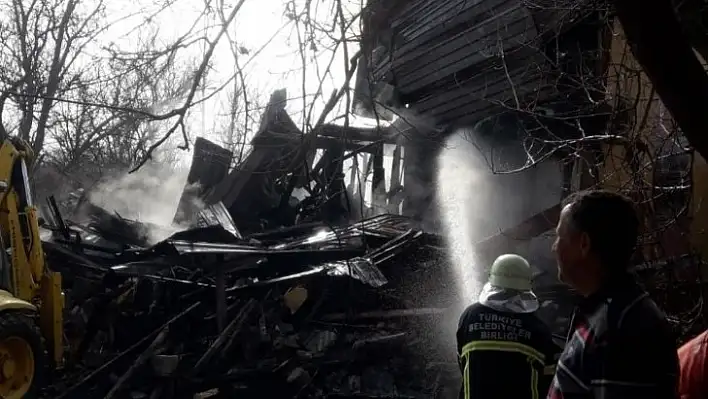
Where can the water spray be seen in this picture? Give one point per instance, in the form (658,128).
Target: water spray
(459,182)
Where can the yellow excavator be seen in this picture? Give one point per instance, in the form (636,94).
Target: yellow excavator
(31,299)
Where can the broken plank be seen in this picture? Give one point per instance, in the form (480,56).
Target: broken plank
(225,335)
(156,343)
(106,366)
(385,314)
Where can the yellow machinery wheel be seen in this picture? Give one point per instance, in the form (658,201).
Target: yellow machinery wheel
(22,356)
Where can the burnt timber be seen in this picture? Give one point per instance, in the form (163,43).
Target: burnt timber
(458,63)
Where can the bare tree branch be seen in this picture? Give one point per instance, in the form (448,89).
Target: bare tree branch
(181,112)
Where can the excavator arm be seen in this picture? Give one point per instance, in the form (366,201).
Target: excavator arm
(30,289)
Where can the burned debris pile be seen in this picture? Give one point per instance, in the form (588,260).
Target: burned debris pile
(304,311)
(257,291)
(292,300)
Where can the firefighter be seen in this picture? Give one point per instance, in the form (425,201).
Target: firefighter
(504,350)
(694,369)
(620,344)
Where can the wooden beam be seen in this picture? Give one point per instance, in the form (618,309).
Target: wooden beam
(524,231)
(670,63)
(362,134)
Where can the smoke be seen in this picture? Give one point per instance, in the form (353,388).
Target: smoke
(150,195)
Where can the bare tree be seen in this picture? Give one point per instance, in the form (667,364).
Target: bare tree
(241,120)
(88,138)
(92,103)
(41,42)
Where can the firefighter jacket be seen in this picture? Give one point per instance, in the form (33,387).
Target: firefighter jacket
(504,354)
(620,346)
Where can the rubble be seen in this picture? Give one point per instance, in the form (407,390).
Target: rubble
(292,300)
(309,311)
(293,312)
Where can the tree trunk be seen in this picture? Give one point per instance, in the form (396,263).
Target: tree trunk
(58,61)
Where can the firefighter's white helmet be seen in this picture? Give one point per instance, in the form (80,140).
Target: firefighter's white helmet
(509,286)
(511,272)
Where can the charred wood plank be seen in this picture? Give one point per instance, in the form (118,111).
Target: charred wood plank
(367,343)
(333,179)
(351,133)
(210,165)
(224,336)
(220,296)
(245,191)
(395,196)
(378,185)
(132,349)
(58,219)
(385,314)
(349,145)
(156,343)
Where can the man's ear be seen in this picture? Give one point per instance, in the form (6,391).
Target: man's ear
(584,244)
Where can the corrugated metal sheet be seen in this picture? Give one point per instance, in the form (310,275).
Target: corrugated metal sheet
(217,215)
(360,269)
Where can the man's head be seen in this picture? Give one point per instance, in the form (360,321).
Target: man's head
(595,237)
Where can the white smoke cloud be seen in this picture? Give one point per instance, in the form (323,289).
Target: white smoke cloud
(150,195)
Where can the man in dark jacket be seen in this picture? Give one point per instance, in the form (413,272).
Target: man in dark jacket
(620,344)
(505,351)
